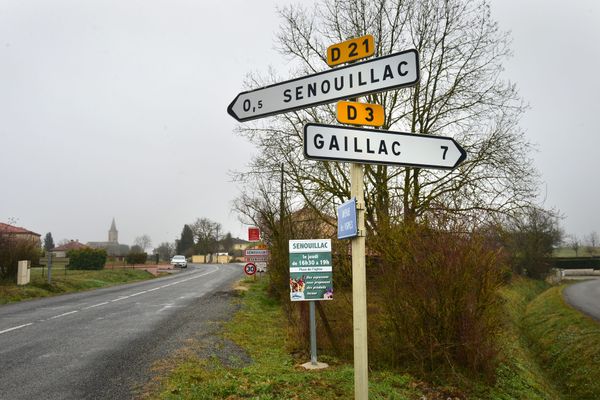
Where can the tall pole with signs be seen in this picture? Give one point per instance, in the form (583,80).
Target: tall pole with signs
(346,144)
(359,288)
(356,113)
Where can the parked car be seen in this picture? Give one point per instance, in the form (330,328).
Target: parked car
(179,261)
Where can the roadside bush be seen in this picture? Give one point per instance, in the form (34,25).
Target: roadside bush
(136,258)
(531,238)
(440,308)
(12,251)
(87,258)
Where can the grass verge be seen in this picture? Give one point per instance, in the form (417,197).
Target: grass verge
(567,342)
(259,332)
(72,281)
(262,367)
(518,375)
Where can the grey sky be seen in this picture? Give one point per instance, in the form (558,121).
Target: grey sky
(115,108)
(555,65)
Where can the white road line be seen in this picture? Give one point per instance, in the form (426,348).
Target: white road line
(112,301)
(63,314)
(96,305)
(15,328)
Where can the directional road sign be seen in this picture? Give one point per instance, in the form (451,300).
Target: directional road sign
(369,146)
(375,75)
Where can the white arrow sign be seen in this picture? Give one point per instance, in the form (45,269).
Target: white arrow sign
(376,75)
(369,146)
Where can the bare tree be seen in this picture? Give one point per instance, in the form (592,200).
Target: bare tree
(461,94)
(165,251)
(591,242)
(575,244)
(144,242)
(62,242)
(531,239)
(206,234)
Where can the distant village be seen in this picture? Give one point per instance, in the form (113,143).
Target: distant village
(229,250)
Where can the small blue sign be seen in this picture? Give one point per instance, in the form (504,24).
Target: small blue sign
(347,226)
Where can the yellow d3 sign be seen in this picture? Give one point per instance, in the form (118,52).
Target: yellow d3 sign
(350,50)
(349,112)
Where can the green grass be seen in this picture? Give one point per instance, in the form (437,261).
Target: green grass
(519,376)
(72,281)
(258,329)
(583,251)
(561,364)
(567,343)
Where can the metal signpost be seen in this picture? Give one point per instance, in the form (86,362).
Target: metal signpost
(359,288)
(49,267)
(311,280)
(259,257)
(376,75)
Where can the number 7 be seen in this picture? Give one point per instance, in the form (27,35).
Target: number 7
(445,148)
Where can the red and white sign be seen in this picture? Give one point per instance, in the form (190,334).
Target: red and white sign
(256,255)
(253,234)
(257,252)
(250,268)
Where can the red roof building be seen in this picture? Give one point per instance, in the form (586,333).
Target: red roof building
(19,233)
(62,250)
(72,245)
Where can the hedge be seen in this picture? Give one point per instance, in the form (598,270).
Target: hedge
(87,258)
(136,258)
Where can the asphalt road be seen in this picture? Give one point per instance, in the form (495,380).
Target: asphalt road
(101,344)
(585,296)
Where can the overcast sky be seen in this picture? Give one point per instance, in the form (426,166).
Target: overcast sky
(113,108)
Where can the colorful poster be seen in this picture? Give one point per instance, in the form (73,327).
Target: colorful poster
(310,270)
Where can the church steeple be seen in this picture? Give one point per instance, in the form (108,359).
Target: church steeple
(113,233)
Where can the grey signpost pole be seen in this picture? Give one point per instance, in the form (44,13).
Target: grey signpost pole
(359,288)
(313,333)
(49,267)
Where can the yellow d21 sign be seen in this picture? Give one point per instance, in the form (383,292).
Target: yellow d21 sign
(349,112)
(350,50)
